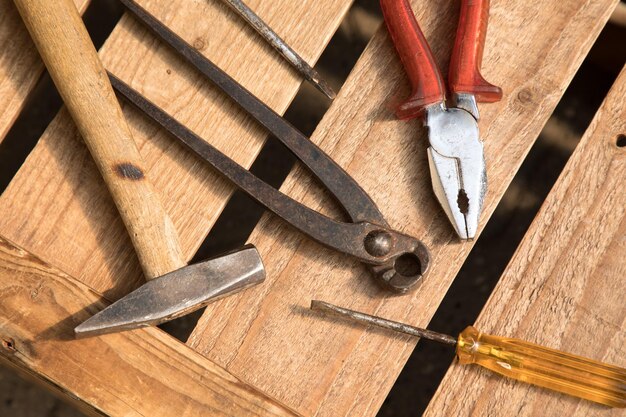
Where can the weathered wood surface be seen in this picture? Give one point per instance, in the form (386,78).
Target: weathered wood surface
(58,207)
(82,81)
(266,335)
(139,373)
(323,367)
(565,286)
(20,65)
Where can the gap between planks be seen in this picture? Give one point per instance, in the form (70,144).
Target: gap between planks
(565,287)
(78,227)
(266,335)
(324,368)
(20,65)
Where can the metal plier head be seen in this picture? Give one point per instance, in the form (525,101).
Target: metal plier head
(455,155)
(457,166)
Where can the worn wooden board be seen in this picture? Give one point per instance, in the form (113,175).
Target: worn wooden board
(266,335)
(140,373)
(20,66)
(565,286)
(58,207)
(324,367)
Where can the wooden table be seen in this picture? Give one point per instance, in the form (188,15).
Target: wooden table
(64,253)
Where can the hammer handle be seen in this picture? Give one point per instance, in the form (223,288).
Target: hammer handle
(73,63)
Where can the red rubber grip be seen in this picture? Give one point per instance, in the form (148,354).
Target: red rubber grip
(467,55)
(418,60)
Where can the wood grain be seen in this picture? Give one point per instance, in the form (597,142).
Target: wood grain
(20,65)
(72,61)
(266,335)
(565,287)
(139,373)
(322,367)
(67,217)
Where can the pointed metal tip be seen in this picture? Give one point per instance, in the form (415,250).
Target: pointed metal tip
(324,87)
(82,330)
(178,293)
(281,46)
(323,306)
(469,235)
(96,326)
(318,305)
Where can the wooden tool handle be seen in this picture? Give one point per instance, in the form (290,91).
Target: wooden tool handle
(82,81)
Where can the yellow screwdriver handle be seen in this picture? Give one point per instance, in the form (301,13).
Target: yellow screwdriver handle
(548,368)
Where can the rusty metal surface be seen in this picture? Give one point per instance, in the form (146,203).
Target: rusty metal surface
(380,322)
(397,260)
(280,45)
(178,293)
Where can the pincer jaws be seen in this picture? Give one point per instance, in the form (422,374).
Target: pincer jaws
(457,166)
(406,269)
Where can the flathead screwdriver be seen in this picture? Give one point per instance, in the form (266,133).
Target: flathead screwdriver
(517,359)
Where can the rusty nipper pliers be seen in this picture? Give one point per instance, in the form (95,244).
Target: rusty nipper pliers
(455,155)
(398,261)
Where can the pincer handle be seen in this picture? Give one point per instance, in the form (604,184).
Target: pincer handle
(464,73)
(544,367)
(416,56)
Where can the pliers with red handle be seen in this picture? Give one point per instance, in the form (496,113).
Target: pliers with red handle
(455,155)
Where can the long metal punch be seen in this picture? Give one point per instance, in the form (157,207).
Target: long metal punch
(397,260)
(281,46)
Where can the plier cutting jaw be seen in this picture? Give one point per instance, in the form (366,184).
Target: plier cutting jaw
(455,155)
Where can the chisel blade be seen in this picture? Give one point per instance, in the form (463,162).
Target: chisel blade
(178,293)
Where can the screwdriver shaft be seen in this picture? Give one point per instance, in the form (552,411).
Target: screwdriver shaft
(517,359)
(380,322)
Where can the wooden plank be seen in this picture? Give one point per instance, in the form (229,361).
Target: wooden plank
(324,368)
(565,287)
(57,205)
(20,66)
(140,373)
(349,371)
